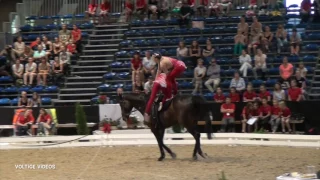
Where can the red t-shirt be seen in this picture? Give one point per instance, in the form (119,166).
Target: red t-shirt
(228,106)
(245,112)
(129,5)
(275,110)
(136,63)
(219,97)
(46,118)
(33,44)
(265,94)
(92,7)
(22,119)
(105,6)
(141,3)
(71,48)
(204,2)
(294,93)
(234,97)
(191,2)
(254,112)
(285,112)
(76,34)
(306,5)
(265,109)
(249,95)
(253,2)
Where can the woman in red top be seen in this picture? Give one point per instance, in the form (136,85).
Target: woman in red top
(294,93)
(275,118)
(44,122)
(92,8)
(234,96)
(305,10)
(34,44)
(285,115)
(136,66)
(264,93)
(264,115)
(249,95)
(104,11)
(76,38)
(129,9)
(219,97)
(24,122)
(227,109)
(246,114)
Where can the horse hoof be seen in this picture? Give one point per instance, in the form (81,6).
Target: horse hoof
(195,158)
(161,158)
(173,155)
(204,155)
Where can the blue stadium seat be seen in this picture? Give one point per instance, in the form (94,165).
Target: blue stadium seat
(194,31)
(310,69)
(139,42)
(160,22)
(274,71)
(152,42)
(94,100)
(26,28)
(125,43)
(86,26)
(46,101)
(32,37)
(289,16)
(24,88)
(128,87)
(293,6)
(229,72)
(257,83)
(5,102)
(121,54)
(228,39)
(211,20)
(202,40)
(188,73)
(172,21)
(309,58)
(39,28)
(38,89)
(31,17)
(226,94)
(67,16)
(109,76)
(11,89)
(293,58)
(208,96)
(169,31)
(84,34)
(114,87)
(226,83)
(123,75)
(313,36)
(189,40)
(104,87)
(271,82)
(3,59)
(5,79)
(186,85)
(117,14)
(312,47)
(79,16)
(207,30)
(52,89)
(137,23)
(44,17)
(217,39)
(126,64)
(56,17)
(164,41)
(15,101)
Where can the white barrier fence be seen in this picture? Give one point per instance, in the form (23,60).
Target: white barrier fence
(233,139)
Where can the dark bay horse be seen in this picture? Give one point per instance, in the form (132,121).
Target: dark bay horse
(185,110)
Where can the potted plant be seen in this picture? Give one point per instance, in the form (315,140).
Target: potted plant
(132,122)
(102,99)
(108,121)
(81,120)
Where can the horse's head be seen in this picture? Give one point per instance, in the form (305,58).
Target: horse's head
(129,101)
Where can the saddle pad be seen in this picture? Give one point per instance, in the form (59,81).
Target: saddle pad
(166,105)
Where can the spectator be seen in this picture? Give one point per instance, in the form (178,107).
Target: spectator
(316,16)
(195,52)
(141,8)
(148,85)
(19,46)
(164,8)
(301,81)
(249,95)
(255,41)
(56,47)
(246,115)
(264,8)
(238,83)
(3,71)
(199,73)
(305,10)
(43,69)
(28,52)
(245,61)
(64,58)
(286,71)
(24,123)
(153,9)
(239,43)
(234,96)
(35,101)
(47,45)
(294,93)
(285,115)
(92,9)
(182,51)
(128,10)
(214,7)
(253,5)
(275,118)
(148,65)
(17,70)
(243,27)
(23,100)
(213,73)
(10,55)
(44,122)
(267,38)
(34,45)
(136,66)
(219,97)
(295,40)
(227,109)
(256,26)
(264,116)
(39,54)
(202,8)
(119,91)
(281,35)
(71,47)
(137,85)
(260,64)
(64,34)
(226,6)
(57,70)
(207,53)
(278,93)
(302,70)
(76,38)
(105,7)
(264,93)
(185,12)
(30,72)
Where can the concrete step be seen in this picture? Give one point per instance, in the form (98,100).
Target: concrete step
(101,47)
(105,41)
(112,26)
(109,31)
(100,50)
(92,56)
(82,85)
(89,73)
(94,62)
(88,68)
(60,102)
(84,79)
(99,53)
(77,90)
(105,36)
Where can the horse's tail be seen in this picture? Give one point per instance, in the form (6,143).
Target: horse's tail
(203,112)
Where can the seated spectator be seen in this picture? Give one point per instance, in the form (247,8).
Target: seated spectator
(234,96)
(253,5)
(3,70)
(24,123)
(153,9)
(278,93)
(305,11)
(30,72)
(64,34)
(260,64)
(57,71)
(207,52)
(64,58)
(23,100)
(185,12)
(164,8)
(226,6)
(286,71)
(264,93)
(238,83)
(219,97)
(199,73)
(43,69)
(243,27)
(105,7)
(76,38)
(34,44)
(10,55)
(254,42)
(47,45)
(202,8)
(28,52)
(295,40)
(137,85)
(214,8)
(182,51)
(256,26)
(239,43)
(302,70)
(275,116)
(148,65)
(35,101)
(294,93)
(71,47)
(246,115)
(141,8)
(316,16)
(44,122)
(56,47)
(39,54)
(17,70)
(92,9)
(195,52)
(285,115)
(249,95)
(228,109)
(213,73)
(301,81)
(19,46)
(281,35)
(128,10)
(136,66)
(148,85)
(267,37)
(264,8)
(245,61)
(264,116)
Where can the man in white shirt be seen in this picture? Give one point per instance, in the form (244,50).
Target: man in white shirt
(40,53)
(259,64)
(245,61)
(17,70)
(199,73)
(148,65)
(148,85)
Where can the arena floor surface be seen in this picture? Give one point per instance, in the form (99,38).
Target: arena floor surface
(140,163)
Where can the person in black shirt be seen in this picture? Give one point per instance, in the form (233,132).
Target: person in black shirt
(185,12)
(153,8)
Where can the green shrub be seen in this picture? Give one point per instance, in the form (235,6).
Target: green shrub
(81,119)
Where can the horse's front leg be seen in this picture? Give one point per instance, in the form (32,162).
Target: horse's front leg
(160,143)
(161,133)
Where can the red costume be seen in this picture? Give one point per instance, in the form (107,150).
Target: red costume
(178,68)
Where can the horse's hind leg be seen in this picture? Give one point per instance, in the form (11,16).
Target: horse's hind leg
(200,150)
(196,136)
